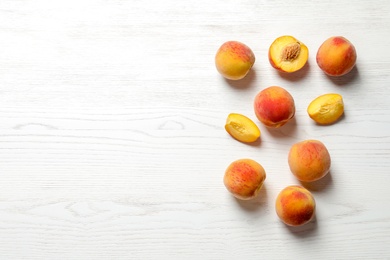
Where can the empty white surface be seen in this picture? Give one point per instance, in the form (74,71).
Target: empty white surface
(112,140)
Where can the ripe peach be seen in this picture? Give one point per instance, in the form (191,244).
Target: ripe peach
(274,106)
(287,54)
(295,205)
(234,60)
(336,56)
(244,178)
(309,160)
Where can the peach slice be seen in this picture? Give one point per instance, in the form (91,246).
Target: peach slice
(326,109)
(287,54)
(244,178)
(242,128)
(234,60)
(295,205)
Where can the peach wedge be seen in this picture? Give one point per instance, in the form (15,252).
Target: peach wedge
(242,128)
(326,109)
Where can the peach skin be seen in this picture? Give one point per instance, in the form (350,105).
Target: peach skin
(295,205)
(274,106)
(244,178)
(234,60)
(336,56)
(309,160)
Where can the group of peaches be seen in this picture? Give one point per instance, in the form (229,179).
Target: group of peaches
(309,160)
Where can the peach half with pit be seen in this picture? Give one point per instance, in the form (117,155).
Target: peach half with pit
(244,178)
(336,56)
(288,54)
(274,106)
(309,160)
(295,205)
(234,60)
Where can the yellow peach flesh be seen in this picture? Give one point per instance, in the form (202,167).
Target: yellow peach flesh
(242,128)
(326,109)
(287,54)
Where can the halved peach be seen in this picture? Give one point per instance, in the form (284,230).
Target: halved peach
(287,54)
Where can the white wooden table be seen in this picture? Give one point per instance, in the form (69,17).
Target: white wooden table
(112,140)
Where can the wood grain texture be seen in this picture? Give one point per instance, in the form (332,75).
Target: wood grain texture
(112,143)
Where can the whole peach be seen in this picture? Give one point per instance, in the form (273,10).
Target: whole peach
(295,205)
(244,178)
(309,160)
(274,106)
(234,60)
(336,56)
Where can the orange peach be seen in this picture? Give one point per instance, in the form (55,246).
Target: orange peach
(287,54)
(244,178)
(295,205)
(274,106)
(309,160)
(336,56)
(234,60)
